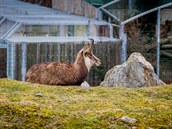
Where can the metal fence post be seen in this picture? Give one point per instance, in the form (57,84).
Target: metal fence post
(61,28)
(11,60)
(8,60)
(24,60)
(99,14)
(88,29)
(110,29)
(123,38)
(130,4)
(158,43)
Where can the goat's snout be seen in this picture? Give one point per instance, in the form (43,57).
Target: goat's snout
(97,61)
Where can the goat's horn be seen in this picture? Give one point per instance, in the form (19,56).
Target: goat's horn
(92,42)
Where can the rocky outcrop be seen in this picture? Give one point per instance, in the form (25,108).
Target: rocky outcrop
(136,72)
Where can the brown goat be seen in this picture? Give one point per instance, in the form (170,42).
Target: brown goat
(56,73)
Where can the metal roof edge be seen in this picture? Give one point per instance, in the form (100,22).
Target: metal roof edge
(55,39)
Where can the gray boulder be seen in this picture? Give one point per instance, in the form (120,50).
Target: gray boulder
(134,73)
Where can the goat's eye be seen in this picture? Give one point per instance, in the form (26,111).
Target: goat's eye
(87,54)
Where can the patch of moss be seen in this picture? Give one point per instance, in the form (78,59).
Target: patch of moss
(72,107)
(22,116)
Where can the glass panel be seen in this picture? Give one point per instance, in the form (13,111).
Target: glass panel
(62,30)
(104,31)
(51,30)
(80,30)
(38,30)
(70,30)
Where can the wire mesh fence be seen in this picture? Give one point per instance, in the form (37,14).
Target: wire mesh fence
(108,52)
(150,55)
(142,38)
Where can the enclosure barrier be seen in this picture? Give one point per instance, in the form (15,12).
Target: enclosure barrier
(23,55)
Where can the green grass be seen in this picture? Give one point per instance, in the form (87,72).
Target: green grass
(73,108)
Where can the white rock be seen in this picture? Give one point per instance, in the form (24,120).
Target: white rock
(85,85)
(39,94)
(128,120)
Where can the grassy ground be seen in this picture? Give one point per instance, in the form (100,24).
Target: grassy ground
(26,105)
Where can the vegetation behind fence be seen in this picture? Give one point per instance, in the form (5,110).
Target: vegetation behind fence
(142,38)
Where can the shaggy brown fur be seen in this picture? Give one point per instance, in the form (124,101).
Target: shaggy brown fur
(54,73)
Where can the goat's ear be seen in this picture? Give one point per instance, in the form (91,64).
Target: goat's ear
(86,47)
